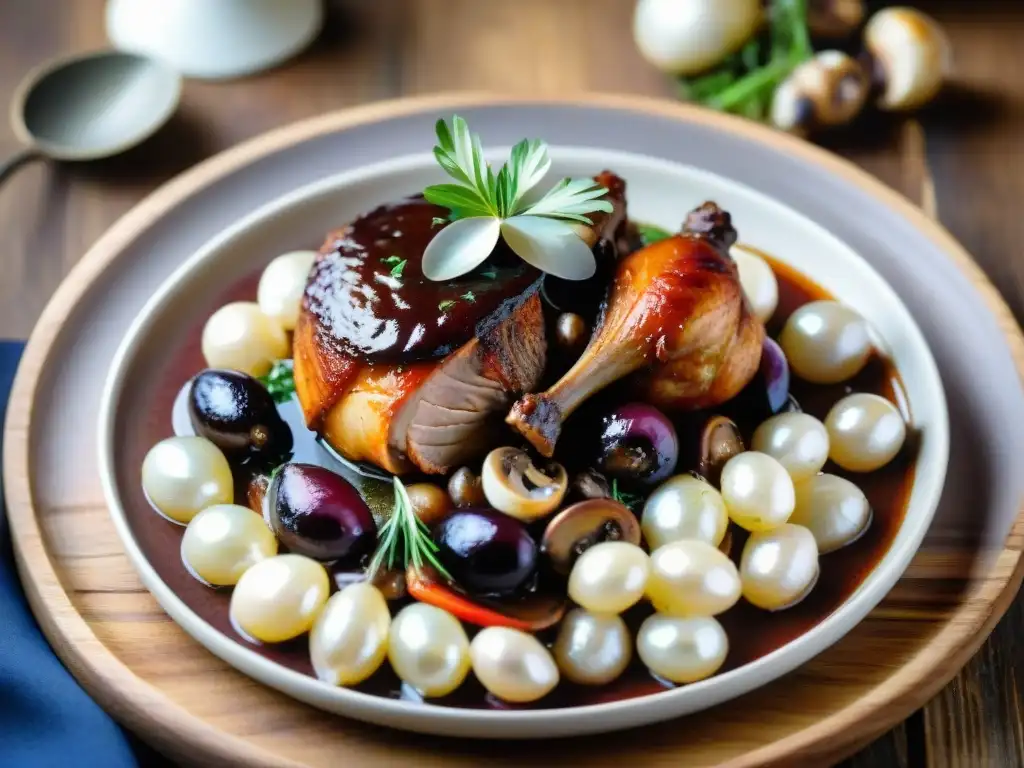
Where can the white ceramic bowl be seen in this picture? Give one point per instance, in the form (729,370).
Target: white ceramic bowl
(659,192)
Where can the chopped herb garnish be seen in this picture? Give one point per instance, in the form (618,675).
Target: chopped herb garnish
(399,268)
(392,260)
(651,234)
(437,221)
(490,274)
(445,305)
(632,500)
(469,296)
(280,381)
(404,540)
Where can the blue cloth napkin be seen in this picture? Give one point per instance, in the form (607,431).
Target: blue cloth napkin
(46,719)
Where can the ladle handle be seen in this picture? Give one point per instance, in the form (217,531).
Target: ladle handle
(15,161)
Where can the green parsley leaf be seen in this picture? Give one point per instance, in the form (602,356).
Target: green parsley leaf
(391,260)
(651,234)
(280,381)
(445,305)
(437,222)
(632,500)
(399,268)
(468,296)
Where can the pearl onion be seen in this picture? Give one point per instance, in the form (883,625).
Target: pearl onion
(758,282)
(183,475)
(688,38)
(692,578)
(428,649)
(282,285)
(833,509)
(779,567)
(239,336)
(609,577)
(349,639)
(592,648)
(278,598)
(682,650)
(798,440)
(684,507)
(826,342)
(223,541)
(865,432)
(512,665)
(757,490)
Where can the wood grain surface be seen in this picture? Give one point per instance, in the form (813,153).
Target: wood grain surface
(962,159)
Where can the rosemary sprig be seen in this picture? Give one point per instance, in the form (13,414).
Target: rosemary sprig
(632,500)
(404,540)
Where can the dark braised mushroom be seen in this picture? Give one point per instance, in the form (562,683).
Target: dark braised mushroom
(513,484)
(577,528)
(720,440)
(834,19)
(590,484)
(571,332)
(430,502)
(529,613)
(465,489)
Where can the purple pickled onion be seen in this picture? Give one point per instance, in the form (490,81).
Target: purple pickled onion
(774,374)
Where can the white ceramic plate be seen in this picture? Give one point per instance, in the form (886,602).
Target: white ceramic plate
(659,192)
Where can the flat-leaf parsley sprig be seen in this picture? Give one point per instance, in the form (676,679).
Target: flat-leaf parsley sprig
(404,540)
(485,206)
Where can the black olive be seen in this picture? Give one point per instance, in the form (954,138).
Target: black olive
(237,413)
(485,551)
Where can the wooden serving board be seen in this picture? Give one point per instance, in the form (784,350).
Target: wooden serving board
(160,683)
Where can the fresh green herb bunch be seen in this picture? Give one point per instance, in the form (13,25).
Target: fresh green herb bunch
(743,84)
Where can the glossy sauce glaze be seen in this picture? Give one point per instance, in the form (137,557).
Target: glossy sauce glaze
(371,299)
(752,633)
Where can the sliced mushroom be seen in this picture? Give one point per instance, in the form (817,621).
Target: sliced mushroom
(720,440)
(577,528)
(530,613)
(513,484)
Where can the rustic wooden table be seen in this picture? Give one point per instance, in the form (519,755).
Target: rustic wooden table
(962,160)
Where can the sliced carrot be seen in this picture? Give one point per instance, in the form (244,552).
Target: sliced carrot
(426,590)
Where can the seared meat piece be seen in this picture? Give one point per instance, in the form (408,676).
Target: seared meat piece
(676,317)
(405,373)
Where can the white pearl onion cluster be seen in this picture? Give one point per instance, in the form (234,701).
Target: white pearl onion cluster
(250,336)
(826,342)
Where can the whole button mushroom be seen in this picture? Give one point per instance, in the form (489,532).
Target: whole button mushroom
(828,89)
(576,529)
(910,54)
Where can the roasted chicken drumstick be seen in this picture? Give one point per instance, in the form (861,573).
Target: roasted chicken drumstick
(676,317)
